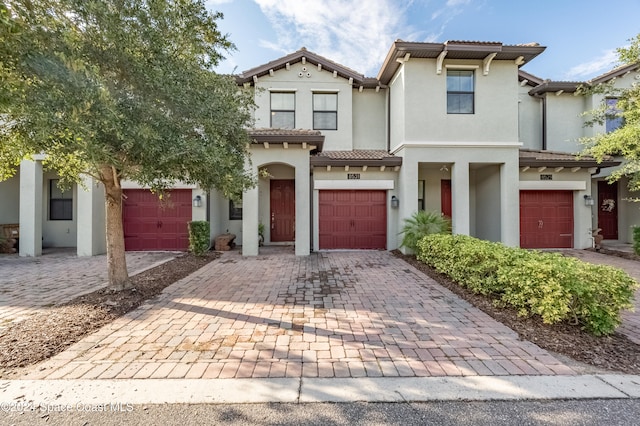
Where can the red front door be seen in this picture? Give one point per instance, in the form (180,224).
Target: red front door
(283,210)
(608,210)
(445,197)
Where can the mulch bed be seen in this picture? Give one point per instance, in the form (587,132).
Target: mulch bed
(613,353)
(45,334)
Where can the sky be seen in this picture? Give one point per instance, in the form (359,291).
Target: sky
(580,36)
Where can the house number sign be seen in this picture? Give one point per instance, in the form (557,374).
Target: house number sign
(546,177)
(353,176)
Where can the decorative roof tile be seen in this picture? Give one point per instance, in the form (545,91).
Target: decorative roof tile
(529,157)
(356,158)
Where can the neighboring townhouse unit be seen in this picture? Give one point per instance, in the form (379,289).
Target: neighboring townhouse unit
(557,110)
(342,159)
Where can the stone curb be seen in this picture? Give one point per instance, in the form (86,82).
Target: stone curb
(38,393)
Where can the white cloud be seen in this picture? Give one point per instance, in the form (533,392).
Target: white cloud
(599,65)
(358,38)
(453,3)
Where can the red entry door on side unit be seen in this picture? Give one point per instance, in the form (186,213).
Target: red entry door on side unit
(608,210)
(445,197)
(283,210)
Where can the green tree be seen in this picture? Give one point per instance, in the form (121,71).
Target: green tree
(121,89)
(624,141)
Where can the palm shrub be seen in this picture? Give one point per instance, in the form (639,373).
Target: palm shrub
(423,223)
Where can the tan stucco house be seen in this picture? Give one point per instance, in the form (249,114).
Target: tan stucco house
(342,159)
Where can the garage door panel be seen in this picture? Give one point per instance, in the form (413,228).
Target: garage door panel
(153,224)
(546,219)
(352,219)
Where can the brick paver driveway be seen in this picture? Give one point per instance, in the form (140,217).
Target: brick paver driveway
(331,314)
(31,284)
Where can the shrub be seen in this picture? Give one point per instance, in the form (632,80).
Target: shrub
(555,287)
(199,240)
(636,240)
(423,223)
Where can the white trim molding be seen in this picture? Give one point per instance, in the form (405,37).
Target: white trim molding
(354,184)
(553,185)
(455,144)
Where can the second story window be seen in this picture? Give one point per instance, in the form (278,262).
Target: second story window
(60,202)
(460,92)
(325,111)
(283,110)
(614,121)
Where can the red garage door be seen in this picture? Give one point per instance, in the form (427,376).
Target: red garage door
(151,224)
(353,220)
(546,219)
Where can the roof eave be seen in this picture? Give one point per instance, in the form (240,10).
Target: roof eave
(370,162)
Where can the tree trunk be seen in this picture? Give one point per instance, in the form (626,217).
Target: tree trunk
(116,260)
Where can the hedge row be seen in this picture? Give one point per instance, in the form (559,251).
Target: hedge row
(556,287)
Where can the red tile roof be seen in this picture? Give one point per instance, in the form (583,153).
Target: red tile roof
(535,158)
(356,158)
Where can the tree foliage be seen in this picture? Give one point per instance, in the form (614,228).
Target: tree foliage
(624,141)
(121,89)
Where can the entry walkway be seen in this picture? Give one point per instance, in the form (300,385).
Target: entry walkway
(328,315)
(31,284)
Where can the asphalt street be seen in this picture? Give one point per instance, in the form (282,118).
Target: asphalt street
(564,412)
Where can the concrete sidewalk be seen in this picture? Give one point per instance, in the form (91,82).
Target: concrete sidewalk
(28,394)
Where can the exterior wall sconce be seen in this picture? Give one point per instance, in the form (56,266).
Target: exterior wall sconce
(395,203)
(588,200)
(197,201)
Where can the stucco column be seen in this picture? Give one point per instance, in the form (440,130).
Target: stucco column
(407,193)
(510,203)
(91,218)
(303,211)
(460,198)
(250,203)
(31,208)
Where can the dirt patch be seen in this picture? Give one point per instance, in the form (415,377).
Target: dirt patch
(48,333)
(613,353)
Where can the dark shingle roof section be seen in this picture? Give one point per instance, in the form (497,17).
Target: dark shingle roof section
(616,72)
(313,59)
(535,158)
(555,86)
(455,50)
(572,86)
(290,136)
(530,79)
(371,158)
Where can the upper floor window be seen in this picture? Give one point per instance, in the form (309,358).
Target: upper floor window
(614,121)
(283,110)
(325,111)
(60,202)
(460,92)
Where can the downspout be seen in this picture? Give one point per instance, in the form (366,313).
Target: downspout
(544,119)
(388,118)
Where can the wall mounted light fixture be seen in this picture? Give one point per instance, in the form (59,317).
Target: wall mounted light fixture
(588,200)
(395,202)
(197,201)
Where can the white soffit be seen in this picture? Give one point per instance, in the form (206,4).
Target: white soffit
(549,185)
(353,184)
